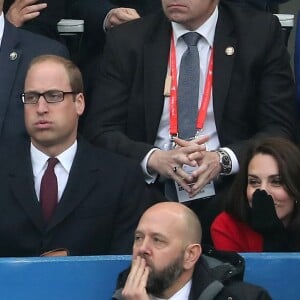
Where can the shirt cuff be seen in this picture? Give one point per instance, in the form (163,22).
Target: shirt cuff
(234,161)
(104,22)
(149,178)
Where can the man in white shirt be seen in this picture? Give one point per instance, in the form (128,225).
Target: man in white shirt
(18,47)
(248,91)
(98,196)
(168,262)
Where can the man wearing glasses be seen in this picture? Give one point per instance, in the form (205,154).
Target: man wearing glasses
(58,191)
(17,48)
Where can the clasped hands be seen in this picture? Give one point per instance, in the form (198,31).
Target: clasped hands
(192,153)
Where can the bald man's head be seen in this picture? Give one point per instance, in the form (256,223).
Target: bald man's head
(168,240)
(178,217)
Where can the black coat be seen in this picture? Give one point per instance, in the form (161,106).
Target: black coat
(217,275)
(97,214)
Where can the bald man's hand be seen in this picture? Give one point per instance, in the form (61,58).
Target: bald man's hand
(135,286)
(119,16)
(22,11)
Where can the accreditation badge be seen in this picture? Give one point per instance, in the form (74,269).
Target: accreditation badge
(207,191)
(170,145)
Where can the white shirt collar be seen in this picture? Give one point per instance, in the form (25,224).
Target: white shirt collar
(1,26)
(206,30)
(39,159)
(182,294)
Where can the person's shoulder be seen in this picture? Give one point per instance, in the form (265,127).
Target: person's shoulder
(248,25)
(242,290)
(26,34)
(39,43)
(224,218)
(225,221)
(245,15)
(105,158)
(227,267)
(13,150)
(137,28)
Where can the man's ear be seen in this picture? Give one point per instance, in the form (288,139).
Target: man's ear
(80,103)
(191,255)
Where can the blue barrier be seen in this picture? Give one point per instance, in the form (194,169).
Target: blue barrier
(277,273)
(60,278)
(94,277)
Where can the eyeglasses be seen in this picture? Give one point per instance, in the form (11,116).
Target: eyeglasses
(52,96)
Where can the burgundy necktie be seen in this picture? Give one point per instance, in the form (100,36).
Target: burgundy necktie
(48,190)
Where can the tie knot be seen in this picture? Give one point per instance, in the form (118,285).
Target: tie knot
(191,38)
(52,161)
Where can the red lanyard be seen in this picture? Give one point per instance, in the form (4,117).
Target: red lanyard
(173,93)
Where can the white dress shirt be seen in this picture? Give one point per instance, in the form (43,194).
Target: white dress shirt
(1,26)
(62,168)
(205,45)
(182,294)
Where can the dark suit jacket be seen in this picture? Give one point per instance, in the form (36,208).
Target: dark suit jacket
(26,46)
(143,7)
(93,12)
(97,214)
(253,90)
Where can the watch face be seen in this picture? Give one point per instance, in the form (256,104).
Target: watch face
(225,160)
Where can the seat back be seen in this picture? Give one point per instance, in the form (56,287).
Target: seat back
(71,32)
(287,24)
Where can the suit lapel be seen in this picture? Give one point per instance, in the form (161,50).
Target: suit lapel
(82,179)
(223,63)
(22,186)
(10,56)
(156,53)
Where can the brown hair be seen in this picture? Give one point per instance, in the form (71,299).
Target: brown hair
(287,156)
(74,74)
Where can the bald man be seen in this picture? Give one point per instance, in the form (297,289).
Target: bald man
(167,261)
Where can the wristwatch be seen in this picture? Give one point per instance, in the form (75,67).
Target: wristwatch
(225,162)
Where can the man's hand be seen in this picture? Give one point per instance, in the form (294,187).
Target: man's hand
(208,167)
(120,15)
(169,163)
(22,11)
(135,286)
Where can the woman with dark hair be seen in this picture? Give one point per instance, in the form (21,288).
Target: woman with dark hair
(263,208)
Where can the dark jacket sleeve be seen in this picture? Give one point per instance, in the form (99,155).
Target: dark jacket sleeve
(244,291)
